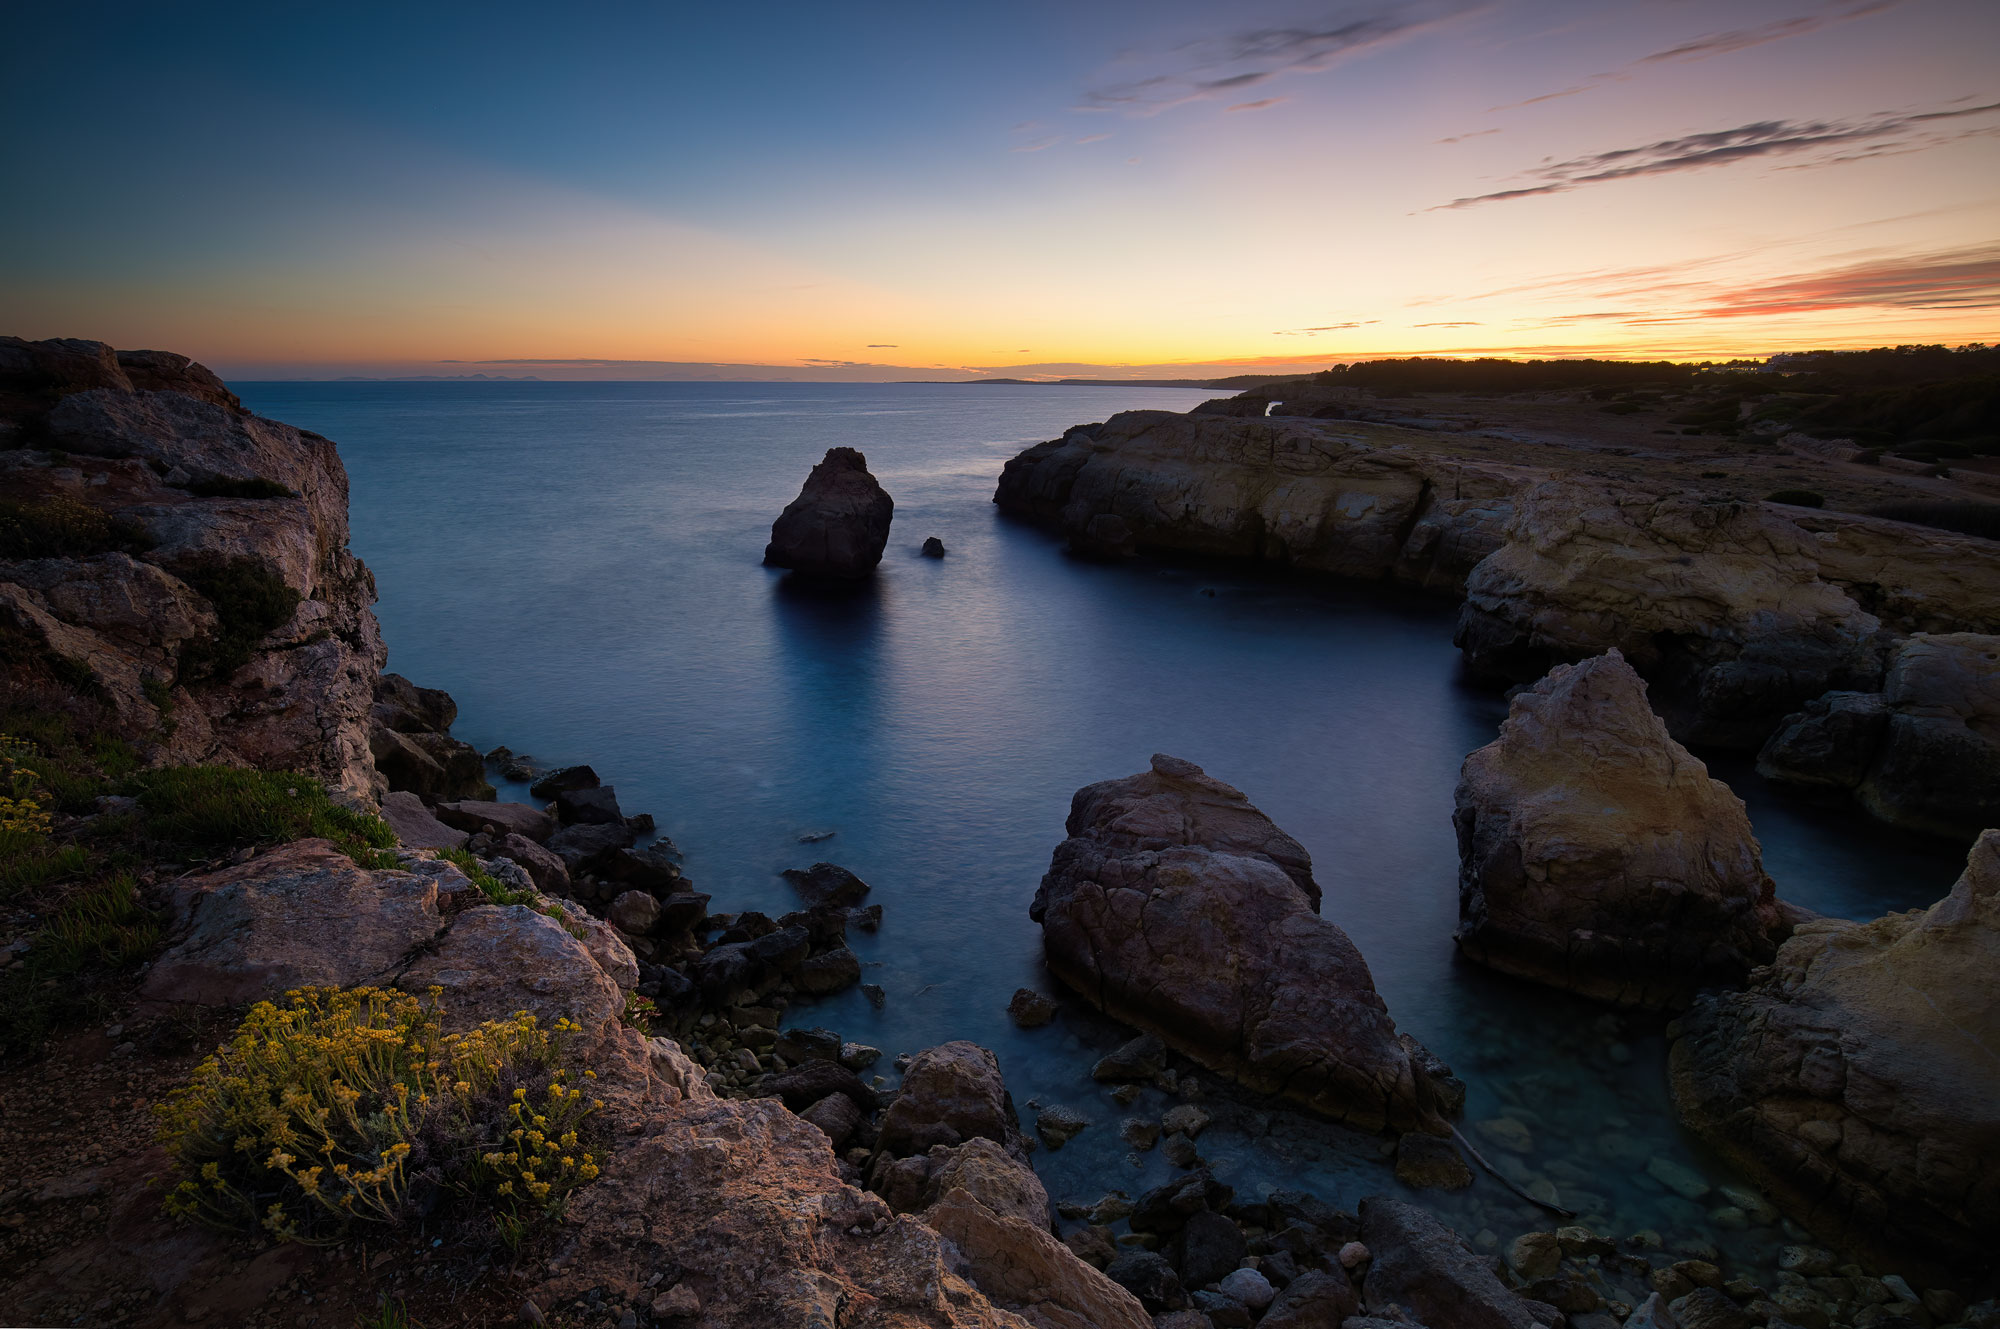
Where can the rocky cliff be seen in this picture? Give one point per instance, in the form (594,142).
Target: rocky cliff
(175,569)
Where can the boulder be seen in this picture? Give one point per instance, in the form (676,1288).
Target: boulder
(1148,1276)
(837,1115)
(415,826)
(550,873)
(806,1084)
(1020,1266)
(654,867)
(826,884)
(933,547)
(408,709)
(1596,854)
(499,959)
(992,1176)
(589,848)
(1030,1009)
(595,806)
(1217,949)
(563,779)
(300,915)
(1830,744)
(829,972)
(1420,1264)
(634,912)
(951,1093)
(838,524)
(1853,1079)
(1209,1247)
(1938,769)
(1313,1301)
(473,816)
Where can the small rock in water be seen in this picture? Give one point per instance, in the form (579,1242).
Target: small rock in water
(1180,1151)
(1681,1180)
(1139,1133)
(859,1056)
(1057,1125)
(1535,1255)
(1126,1094)
(1141,1059)
(1030,1009)
(814,837)
(1508,1133)
(1430,1160)
(933,547)
(1112,1207)
(1186,1119)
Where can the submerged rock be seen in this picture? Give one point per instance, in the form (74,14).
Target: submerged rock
(1854,1079)
(1596,854)
(838,524)
(1177,906)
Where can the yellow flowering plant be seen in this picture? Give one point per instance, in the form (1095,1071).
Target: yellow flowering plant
(350,1106)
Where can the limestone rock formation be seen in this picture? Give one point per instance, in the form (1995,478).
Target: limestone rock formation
(1854,1079)
(838,524)
(1596,854)
(175,569)
(1176,906)
(409,734)
(1721,604)
(1923,754)
(1304,494)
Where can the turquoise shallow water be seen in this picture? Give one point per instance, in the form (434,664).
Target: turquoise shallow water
(578,564)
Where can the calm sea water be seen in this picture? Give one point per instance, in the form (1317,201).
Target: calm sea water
(578,565)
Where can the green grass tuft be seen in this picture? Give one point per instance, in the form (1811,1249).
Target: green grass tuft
(212,809)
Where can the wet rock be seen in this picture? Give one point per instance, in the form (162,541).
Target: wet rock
(827,884)
(1706,1308)
(1851,1081)
(1829,744)
(1177,906)
(1139,1133)
(784,949)
(1209,1246)
(1430,1161)
(595,806)
(1139,1060)
(654,867)
(1597,855)
(798,1045)
(588,848)
(1148,1276)
(859,1056)
(1180,1151)
(1652,1315)
(1166,1207)
(1419,1263)
(550,873)
(472,816)
(1215,1309)
(1312,1301)
(300,915)
(838,524)
(951,1093)
(1249,1287)
(1938,769)
(1058,1125)
(933,547)
(822,975)
(415,826)
(1508,1133)
(1030,1009)
(1184,1119)
(1535,1255)
(1682,1180)
(563,779)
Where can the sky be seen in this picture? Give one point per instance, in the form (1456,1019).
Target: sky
(879,191)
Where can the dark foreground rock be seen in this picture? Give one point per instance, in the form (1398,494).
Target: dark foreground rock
(838,524)
(1855,1078)
(1422,1266)
(1176,906)
(1596,854)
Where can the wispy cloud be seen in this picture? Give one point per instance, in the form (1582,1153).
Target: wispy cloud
(1229,63)
(1037,145)
(1962,279)
(1256,105)
(1471,324)
(1460,138)
(1325,327)
(882,346)
(1093,138)
(1832,140)
(1711,44)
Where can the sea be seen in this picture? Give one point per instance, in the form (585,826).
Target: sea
(579,565)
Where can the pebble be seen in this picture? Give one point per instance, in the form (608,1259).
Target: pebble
(1682,1180)
(1353,1255)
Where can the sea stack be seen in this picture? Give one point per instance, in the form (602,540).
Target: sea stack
(1597,855)
(1177,906)
(839,523)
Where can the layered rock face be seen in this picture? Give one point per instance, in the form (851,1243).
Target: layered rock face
(1596,854)
(1176,906)
(1924,753)
(1722,605)
(1855,1078)
(1284,491)
(838,524)
(176,569)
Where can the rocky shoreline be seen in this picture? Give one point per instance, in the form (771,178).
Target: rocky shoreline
(181,583)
